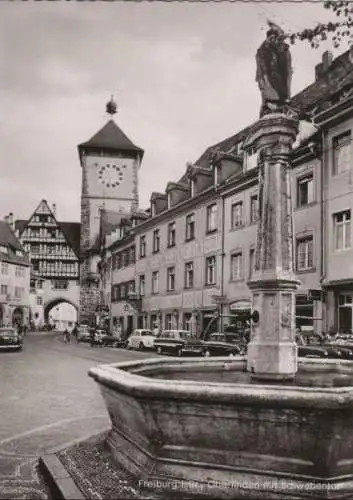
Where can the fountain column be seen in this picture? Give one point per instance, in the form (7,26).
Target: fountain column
(272,351)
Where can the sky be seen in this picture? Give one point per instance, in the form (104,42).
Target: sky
(183,76)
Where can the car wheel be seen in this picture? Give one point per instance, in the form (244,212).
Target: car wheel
(159,350)
(141,346)
(207,353)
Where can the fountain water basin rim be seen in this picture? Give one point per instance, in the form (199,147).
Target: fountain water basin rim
(138,379)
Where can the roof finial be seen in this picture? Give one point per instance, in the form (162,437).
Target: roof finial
(111,106)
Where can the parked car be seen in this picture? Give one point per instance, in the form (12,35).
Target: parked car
(113,341)
(10,339)
(83,333)
(98,337)
(222,344)
(312,351)
(178,342)
(346,350)
(141,339)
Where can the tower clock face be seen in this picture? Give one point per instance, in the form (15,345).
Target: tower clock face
(111,175)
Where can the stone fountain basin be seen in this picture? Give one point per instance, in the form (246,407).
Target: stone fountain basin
(202,426)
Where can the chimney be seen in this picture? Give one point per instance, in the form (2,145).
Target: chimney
(53,209)
(11,221)
(321,68)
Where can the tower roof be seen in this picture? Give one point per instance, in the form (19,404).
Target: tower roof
(111,137)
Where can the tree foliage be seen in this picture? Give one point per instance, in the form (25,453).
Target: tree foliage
(339,29)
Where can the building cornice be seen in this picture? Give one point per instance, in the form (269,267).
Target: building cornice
(334,112)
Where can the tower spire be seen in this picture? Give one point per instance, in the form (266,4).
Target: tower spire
(111,107)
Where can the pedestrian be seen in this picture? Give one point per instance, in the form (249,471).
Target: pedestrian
(91,336)
(75,332)
(66,336)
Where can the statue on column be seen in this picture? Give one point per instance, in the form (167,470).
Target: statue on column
(274,71)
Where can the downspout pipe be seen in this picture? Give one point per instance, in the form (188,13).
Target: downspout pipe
(323,163)
(222,262)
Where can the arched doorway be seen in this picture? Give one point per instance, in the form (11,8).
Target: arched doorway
(60,314)
(17,317)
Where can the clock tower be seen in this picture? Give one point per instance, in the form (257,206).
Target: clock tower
(110,163)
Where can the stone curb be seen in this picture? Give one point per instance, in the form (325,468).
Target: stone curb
(57,478)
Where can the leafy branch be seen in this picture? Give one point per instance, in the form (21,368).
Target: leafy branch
(341,28)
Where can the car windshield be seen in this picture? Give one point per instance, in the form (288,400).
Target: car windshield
(146,332)
(8,333)
(185,335)
(231,339)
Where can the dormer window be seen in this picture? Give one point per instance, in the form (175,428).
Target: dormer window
(122,230)
(3,249)
(192,188)
(169,200)
(251,158)
(19,253)
(153,208)
(239,148)
(215,174)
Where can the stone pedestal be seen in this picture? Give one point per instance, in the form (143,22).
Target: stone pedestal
(272,351)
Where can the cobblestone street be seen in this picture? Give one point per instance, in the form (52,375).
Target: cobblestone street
(47,403)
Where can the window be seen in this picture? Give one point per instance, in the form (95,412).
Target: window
(192,188)
(342,230)
(142,284)
(19,272)
(117,261)
(171,234)
(18,292)
(131,287)
(304,253)
(155,241)
(4,268)
(187,321)
(189,275)
(211,270)
(170,279)
(251,158)
(254,208)
(60,284)
(132,255)
(216,176)
(305,190)
(212,218)
(236,266)
(169,321)
(4,249)
(39,301)
(342,148)
(237,214)
(155,282)
(142,246)
(251,262)
(190,227)
(4,289)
